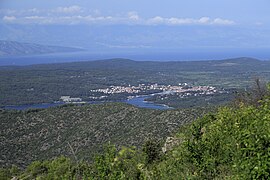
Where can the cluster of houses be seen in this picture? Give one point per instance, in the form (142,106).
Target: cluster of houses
(68,99)
(117,90)
(162,88)
(182,89)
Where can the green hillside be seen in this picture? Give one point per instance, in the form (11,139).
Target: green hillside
(233,143)
(47,83)
(41,134)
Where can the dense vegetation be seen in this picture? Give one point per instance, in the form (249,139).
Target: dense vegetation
(47,83)
(233,143)
(176,101)
(41,134)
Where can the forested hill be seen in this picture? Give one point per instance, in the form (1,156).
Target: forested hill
(118,63)
(40,134)
(49,82)
(232,143)
(13,48)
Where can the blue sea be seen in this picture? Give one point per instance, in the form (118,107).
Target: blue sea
(263,54)
(136,101)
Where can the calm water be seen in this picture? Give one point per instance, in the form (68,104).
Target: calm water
(140,102)
(136,101)
(263,54)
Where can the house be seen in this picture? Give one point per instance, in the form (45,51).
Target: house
(68,99)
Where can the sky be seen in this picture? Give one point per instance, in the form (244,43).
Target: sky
(170,12)
(185,23)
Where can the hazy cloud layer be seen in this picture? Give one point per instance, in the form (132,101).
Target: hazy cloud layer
(70,9)
(180,21)
(79,15)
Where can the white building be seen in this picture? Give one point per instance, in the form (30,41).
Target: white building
(68,99)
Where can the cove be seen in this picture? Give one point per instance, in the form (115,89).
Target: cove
(138,101)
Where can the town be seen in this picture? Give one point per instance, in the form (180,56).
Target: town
(183,88)
(128,92)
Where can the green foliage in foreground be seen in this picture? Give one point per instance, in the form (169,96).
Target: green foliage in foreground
(233,143)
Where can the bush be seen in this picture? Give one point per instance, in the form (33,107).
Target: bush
(152,149)
(118,165)
(233,144)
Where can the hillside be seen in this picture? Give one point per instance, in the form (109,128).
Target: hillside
(13,48)
(47,83)
(232,143)
(40,134)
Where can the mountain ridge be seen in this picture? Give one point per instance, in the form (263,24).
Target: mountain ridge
(118,61)
(14,48)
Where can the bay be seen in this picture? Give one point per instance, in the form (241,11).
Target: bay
(138,101)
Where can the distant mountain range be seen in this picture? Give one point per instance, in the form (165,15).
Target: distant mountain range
(147,42)
(13,48)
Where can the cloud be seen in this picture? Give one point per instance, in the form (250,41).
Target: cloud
(204,20)
(34,10)
(35,17)
(79,15)
(156,20)
(70,20)
(36,20)
(123,46)
(133,16)
(9,18)
(223,21)
(188,21)
(70,9)
(179,21)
